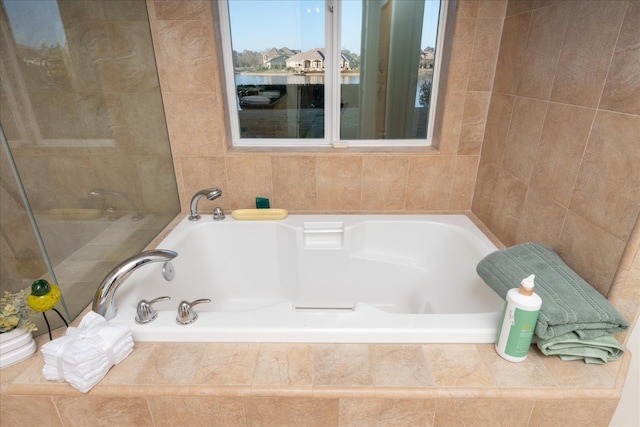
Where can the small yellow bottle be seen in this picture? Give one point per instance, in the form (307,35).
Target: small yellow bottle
(519,318)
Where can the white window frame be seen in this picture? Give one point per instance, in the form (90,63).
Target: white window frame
(332,88)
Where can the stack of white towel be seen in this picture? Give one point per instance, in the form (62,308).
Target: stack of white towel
(84,355)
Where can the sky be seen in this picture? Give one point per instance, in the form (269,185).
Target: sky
(35,22)
(258,25)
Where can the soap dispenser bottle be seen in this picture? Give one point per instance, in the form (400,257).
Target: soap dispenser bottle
(519,319)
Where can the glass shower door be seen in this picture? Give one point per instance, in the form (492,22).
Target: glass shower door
(81,108)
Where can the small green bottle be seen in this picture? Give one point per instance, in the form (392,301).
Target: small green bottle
(519,318)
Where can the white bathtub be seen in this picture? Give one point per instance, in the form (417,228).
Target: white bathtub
(321,278)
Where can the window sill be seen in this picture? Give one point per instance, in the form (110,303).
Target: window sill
(331,150)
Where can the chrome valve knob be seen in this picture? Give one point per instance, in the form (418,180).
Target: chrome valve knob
(186,313)
(145,313)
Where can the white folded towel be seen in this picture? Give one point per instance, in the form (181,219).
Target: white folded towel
(84,355)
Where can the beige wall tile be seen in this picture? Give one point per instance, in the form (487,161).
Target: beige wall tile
(339,181)
(483,197)
(228,364)
(135,11)
(103,411)
(152,363)
(512,47)
(248,177)
(528,374)
(474,119)
(542,52)
(430,179)
(537,4)
(507,208)
(580,75)
(270,411)
(387,412)
(186,61)
(396,365)
(69,168)
(27,411)
(284,365)
(633,248)
(557,161)
(625,293)
(622,93)
(515,7)
(384,182)
(491,8)
(172,411)
(590,251)
(194,125)
(294,182)
(131,65)
(464,177)
(457,365)
(542,219)
(523,137)
(480,412)
(342,365)
(122,178)
(81,11)
(486,43)
(157,189)
(497,128)
(181,10)
(145,122)
(447,142)
(461,53)
(609,175)
(468,8)
(595,412)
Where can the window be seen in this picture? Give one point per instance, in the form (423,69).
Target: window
(332,73)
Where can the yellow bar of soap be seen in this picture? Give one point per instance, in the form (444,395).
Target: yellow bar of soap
(259,214)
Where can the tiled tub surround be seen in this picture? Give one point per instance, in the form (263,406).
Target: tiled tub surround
(228,384)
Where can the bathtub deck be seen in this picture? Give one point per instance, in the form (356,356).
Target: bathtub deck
(323,384)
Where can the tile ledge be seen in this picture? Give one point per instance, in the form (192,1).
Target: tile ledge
(318,392)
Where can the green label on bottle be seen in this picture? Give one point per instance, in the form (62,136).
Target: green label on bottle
(521,333)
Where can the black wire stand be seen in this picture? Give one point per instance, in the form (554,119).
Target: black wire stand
(49,326)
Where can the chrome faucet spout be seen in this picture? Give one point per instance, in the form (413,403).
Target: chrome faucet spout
(209,193)
(103,303)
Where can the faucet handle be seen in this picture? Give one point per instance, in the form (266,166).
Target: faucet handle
(218,214)
(186,313)
(145,313)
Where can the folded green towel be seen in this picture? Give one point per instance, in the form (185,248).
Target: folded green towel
(570,347)
(569,304)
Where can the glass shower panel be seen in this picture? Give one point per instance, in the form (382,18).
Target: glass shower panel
(81,108)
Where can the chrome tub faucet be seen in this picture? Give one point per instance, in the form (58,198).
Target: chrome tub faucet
(103,302)
(209,193)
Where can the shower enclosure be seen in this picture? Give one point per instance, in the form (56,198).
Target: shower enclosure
(86,173)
